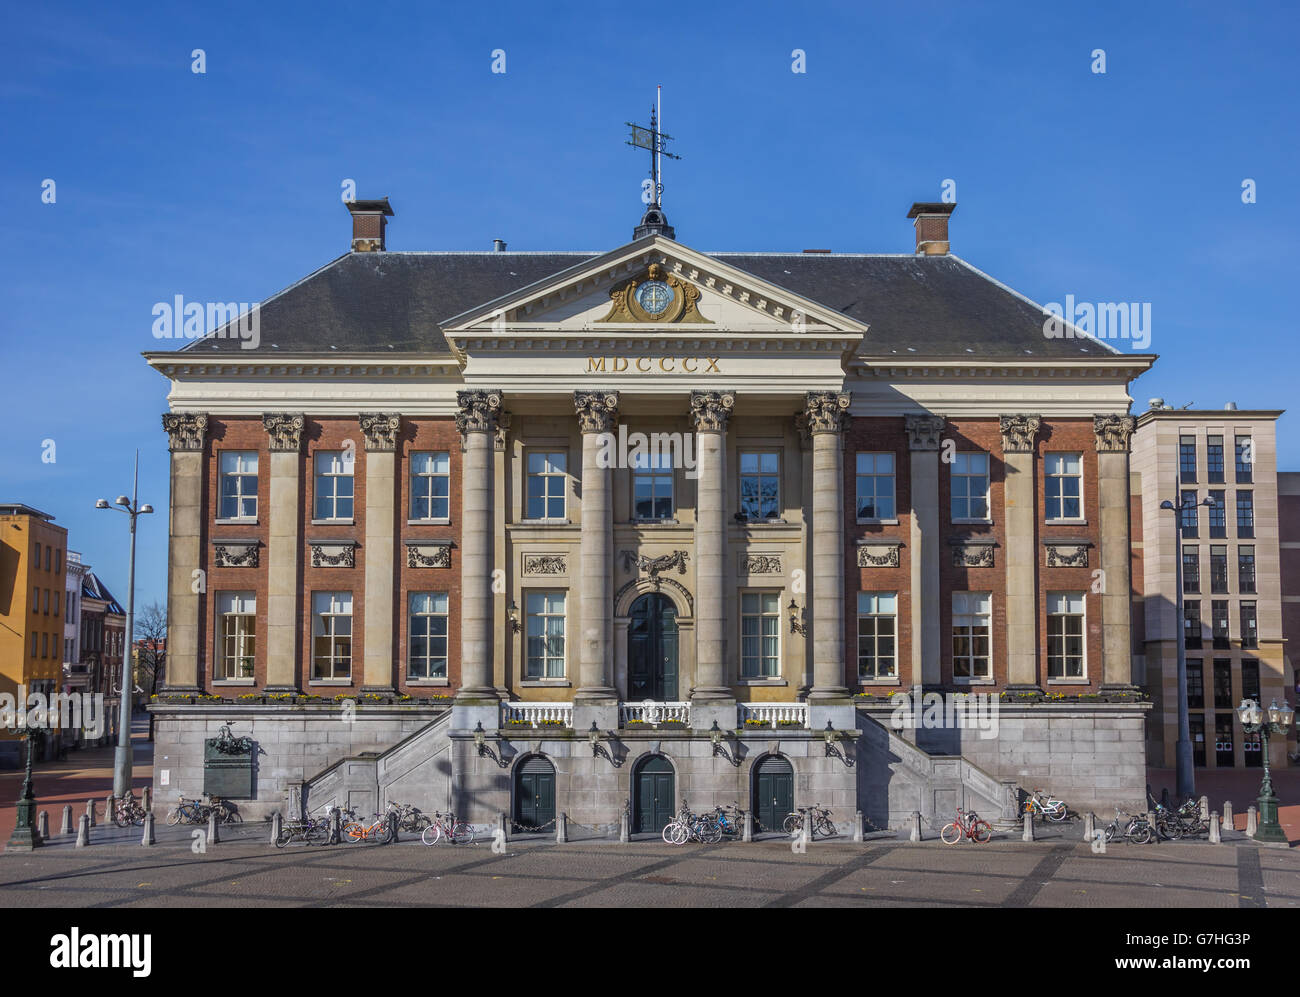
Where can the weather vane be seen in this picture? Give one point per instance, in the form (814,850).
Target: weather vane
(653,140)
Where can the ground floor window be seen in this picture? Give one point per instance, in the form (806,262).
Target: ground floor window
(877,629)
(1065,617)
(972,625)
(545,650)
(760,634)
(426,656)
(237,635)
(331,635)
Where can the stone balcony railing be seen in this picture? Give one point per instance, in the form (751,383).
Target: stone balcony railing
(656,712)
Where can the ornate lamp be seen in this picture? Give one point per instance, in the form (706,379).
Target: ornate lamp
(1275,720)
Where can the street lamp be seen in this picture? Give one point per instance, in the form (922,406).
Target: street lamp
(1185,783)
(25,836)
(122,754)
(1276,720)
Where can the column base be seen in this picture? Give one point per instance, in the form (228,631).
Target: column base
(379,690)
(1015,687)
(604,714)
(705,712)
(596,694)
(706,694)
(468,717)
(841,716)
(279,688)
(477,695)
(834,695)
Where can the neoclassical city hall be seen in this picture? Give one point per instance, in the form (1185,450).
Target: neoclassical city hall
(532,533)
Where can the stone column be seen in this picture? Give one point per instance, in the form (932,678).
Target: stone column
(476,422)
(825,417)
(597,416)
(381,432)
(283,549)
(185,432)
(1019,436)
(923,432)
(1114,434)
(711,697)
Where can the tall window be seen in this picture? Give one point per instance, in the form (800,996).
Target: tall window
(1245,514)
(970,486)
(1218,514)
(545,636)
(972,624)
(1214,459)
(1218,569)
(760,634)
(430,485)
(1246,568)
(1191,568)
(331,635)
(652,485)
(1250,680)
(876,480)
(334,484)
(1223,684)
(237,634)
(1192,624)
(1244,460)
(1249,625)
(426,646)
(1065,615)
(1188,513)
(877,626)
(1219,622)
(1064,485)
(238,499)
(760,485)
(1187,459)
(1195,685)
(546,478)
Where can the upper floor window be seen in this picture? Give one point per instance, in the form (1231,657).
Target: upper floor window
(760,634)
(334,484)
(236,635)
(1218,514)
(652,485)
(1223,684)
(1245,514)
(58,559)
(546,477)
(544,653)
(36,559)
(238,488)
(875,472)
(877,630)
(1246,568)
(1065,621)
(331,636)
(970,486)
(1189,517)
(1219,623)
(1250,680)
(1218,569)
(430,485)
(426,656)
(972,627)
(1192,623)
(1249,625)
(1195,684)
(1244,460)
(1064,485)
(760,484)
(1191,568)
(1214,459)
(1187,459)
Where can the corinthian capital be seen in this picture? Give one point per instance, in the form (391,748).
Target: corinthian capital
(285,430)
(826,412)
(597,410)
(1019,432)
(185,430)
(923,431)
(478,411)
(710,410)
(380,430)
(1114,432)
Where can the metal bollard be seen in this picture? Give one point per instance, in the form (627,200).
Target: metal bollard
(1089,826)
(748,833)
(213,837)
(67,827)
(1205,808)
(1227,815)
(277,825)
(624,827)
(916,825)
(392,826)
(110,806)
(43,824)
(90,812)
(1216,833)
(83,831)
(1028,833)
(857,826)
(146,797)
(336,825)
(1164,797)
(503,828)
(562,828)
(1252,821)
(1155,828)
(805,829)
(147,838)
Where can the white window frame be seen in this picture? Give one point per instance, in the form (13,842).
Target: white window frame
(426,606)
(759,475)
(327,607)
(340,467)
(1061,606)
(869,609)
(1048,475)
(551,480)
(655,466)
(763,616)
(425,480)
(859,474)
(236,608)
(968,498)
(964,616)
(547,661)
(236,475)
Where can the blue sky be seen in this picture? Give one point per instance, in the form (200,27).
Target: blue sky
(225,186)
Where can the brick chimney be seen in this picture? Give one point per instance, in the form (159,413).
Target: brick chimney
(369,219)
(931,227)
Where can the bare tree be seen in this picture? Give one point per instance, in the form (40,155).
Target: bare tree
(151,649)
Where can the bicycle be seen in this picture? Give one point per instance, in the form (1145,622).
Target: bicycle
(1048,808)
(381,827)
(445,825)
(1137,829)
(128,811)
(312,829)
(821,821)
(966,825)
(196,811)
(410,818)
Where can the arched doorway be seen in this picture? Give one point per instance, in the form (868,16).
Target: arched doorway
(535,793)
(653,789)
(652,649)
(773,792)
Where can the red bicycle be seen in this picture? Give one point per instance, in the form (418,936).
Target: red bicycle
(967,825)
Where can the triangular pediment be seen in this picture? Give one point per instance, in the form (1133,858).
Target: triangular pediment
(653,285)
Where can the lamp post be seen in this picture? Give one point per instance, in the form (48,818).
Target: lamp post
(25,836)
(122,754)
(1277,720)
(1184,781)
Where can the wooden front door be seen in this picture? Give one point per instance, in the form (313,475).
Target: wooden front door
(535,793)
(773,792)
(652,649)
(655,789)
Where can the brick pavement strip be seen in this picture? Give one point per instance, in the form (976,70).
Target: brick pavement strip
(248,872)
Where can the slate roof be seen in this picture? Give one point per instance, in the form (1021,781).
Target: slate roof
(93,588)
(393,302)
